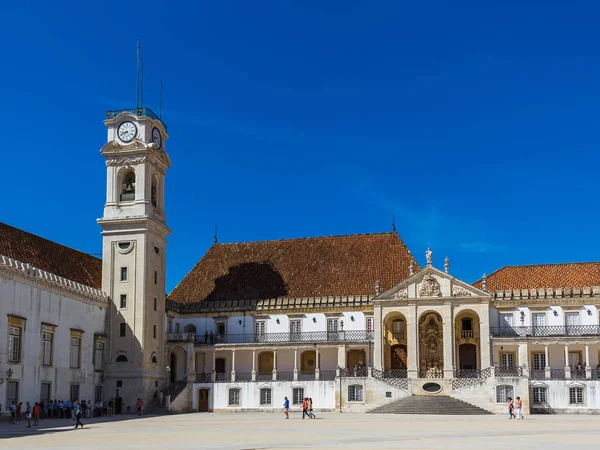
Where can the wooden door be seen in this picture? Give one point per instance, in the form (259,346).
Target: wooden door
(203,400)
(399,357)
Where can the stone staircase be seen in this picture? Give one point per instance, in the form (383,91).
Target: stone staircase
(174,389)
(429,404)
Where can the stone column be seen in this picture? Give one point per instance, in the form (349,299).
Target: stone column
(379,338)
(214,365)
(342,356)
(295,364)
(191,363)
(254,365)
(523,355)
(588,367)
(317,366)
(412,341)
(484,337)
(567,367)
(547,372)
(448,343)
(274,364)
(233,365)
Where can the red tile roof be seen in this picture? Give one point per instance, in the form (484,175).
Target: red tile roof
(306,267)
(50,256)
(538,276)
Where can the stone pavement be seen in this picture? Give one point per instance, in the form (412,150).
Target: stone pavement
(244,431)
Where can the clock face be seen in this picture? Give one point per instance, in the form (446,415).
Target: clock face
(157,138)
(127,131)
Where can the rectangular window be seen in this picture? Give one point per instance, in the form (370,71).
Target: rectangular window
(98,355)
(123,301)
(539,395)
(155,277)
(503,392)
(98,393)
(370,325)
(45,393)
(75,393)
(122,329)
(355,393)
(572,319)
(539,361)
(295,327)
(75,353)
(154,303)
(506,320)
(576,396)
(507,360)
(119,383)
(265,396)
(298,396)
(260,327)
(234,397)
(332,329)
(123,273)
(538,319)
(574,360)
(14,344)
(221,328)
(46,349)
(12,392)
(154,332)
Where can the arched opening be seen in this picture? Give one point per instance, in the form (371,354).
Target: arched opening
(356,358)
(265,362)
(203,400)
(178,364)
(467,356)
(189,329)
(154,359)
(466,332)
(431,345)
(308,361)
(127,193)
(121,359)
(399,357)
(395,344)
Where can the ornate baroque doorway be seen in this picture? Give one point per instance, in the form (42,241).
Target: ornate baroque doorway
(431,346)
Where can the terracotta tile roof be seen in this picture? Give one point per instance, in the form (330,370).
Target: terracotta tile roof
(50,256)
(538,276)
(306,267)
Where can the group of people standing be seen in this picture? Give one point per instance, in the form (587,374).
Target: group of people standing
(307,408)
(16,412)
(515,409)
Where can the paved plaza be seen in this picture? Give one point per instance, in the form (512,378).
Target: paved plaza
(330,430)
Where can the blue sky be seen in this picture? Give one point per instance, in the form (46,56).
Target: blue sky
(475,124)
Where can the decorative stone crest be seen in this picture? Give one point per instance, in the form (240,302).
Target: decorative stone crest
(459,291)
(430,287)
(401,293)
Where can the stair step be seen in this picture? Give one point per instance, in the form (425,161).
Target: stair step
(429,404)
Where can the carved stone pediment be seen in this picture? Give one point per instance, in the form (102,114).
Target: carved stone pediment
(459,291)
(430,287)
(400,293)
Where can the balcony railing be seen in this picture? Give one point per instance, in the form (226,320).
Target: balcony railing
(274,338)
(140,112)
(467,334)
(546,331)
(398,336)
(509,371)
(353,372)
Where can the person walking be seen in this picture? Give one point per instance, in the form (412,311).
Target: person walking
(286,407)
(37,410)
(138,406)
(28,414)
(13,412)
(78,413)
(111,403)
(310,409)
(510,408)
(519,408)
(305,408)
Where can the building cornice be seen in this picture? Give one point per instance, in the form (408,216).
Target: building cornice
(28,273)
(549,296)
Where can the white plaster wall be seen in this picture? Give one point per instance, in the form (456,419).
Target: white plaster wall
(484,394)
(557,392)
(39,305)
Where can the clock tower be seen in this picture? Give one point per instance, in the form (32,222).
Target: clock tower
(133,254)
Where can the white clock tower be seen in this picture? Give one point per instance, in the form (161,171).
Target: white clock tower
(133,254)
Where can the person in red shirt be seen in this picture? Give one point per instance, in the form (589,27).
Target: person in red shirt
(139,406)
(36,414)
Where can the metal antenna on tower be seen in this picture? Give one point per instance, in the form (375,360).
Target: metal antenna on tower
(142,86)
(160,107)
(137,77)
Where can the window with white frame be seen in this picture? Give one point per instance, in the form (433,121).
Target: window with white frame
(571,319)
(46,349)
(539,395)
(503,392)
(260,327)
(14,344)
(370,325)
(265,396)
(295,326)
(538,319)
(75,393)
(234,397)
(539,361)
(507,360)
(576,396)
(123,273)
(123,301)
(506,320)
(75,353)
(297,396)
(332,329)
(355,393)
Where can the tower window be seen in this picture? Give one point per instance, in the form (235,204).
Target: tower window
(155,277)
(154,303)
(154,331)
(123,301)
(123,273)
(153,192)
(128,187)
(122,329)
(121,359)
